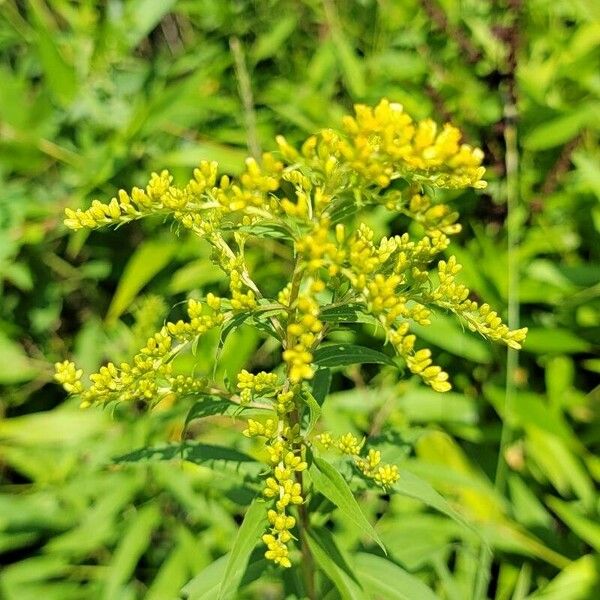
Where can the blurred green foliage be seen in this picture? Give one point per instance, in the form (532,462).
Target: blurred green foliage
(95,95)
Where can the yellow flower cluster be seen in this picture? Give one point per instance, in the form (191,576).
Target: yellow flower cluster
(252,192)
(391,298)
(318,250)
(285,450)
(384,475)
(380,144)
(419,362)
(312,197)
(455,297)
(200,194)
(303,332)
(158,196)
(148,377)
(69,376)
(261,384)
(386,143)
(240,301)
(435,218)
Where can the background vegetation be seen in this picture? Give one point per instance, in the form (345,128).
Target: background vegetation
(96,95)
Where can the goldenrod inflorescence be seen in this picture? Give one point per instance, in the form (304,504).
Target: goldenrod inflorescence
(314,195)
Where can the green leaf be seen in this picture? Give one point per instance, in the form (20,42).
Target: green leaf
(348,313)
(135,541)
(266,230)
(171,575)
(530,410)
(249,533)
(554,341)
(15,365)
(414,487)
(150,258)
(559,463)
(330,560)
(207,406)
(328,481)
(588,530)
(554,132)
(352,68)
(230,158)
(423,405)
(35,568)
(270,42)
(97,527)
(384,579)
(320,384)
(191,451)
(142,16)
(314,411)
(340,355)
(446,333)
(206,585)
(195,275)
(579,580)
(62,426)
(60,75)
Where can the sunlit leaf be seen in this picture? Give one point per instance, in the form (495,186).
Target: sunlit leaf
(252,527)
(333,486)
(387,580)
(340,355)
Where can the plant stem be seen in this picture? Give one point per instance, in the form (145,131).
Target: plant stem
(308,565)
(245,88)
(513,220)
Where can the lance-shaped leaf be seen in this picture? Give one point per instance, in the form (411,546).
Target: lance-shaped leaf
(314,411)
(331,561)
(384,579)
(414,487)
(248,535)
(328,481)
(341,355)
(201,454)
(206,585)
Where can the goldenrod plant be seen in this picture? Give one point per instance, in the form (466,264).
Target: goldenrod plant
(314,200)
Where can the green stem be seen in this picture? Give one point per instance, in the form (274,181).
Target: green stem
(513,220)
(245,88)
(308,564)
(512,355)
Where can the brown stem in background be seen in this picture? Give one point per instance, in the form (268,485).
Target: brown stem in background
(555,173)
(438,17)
